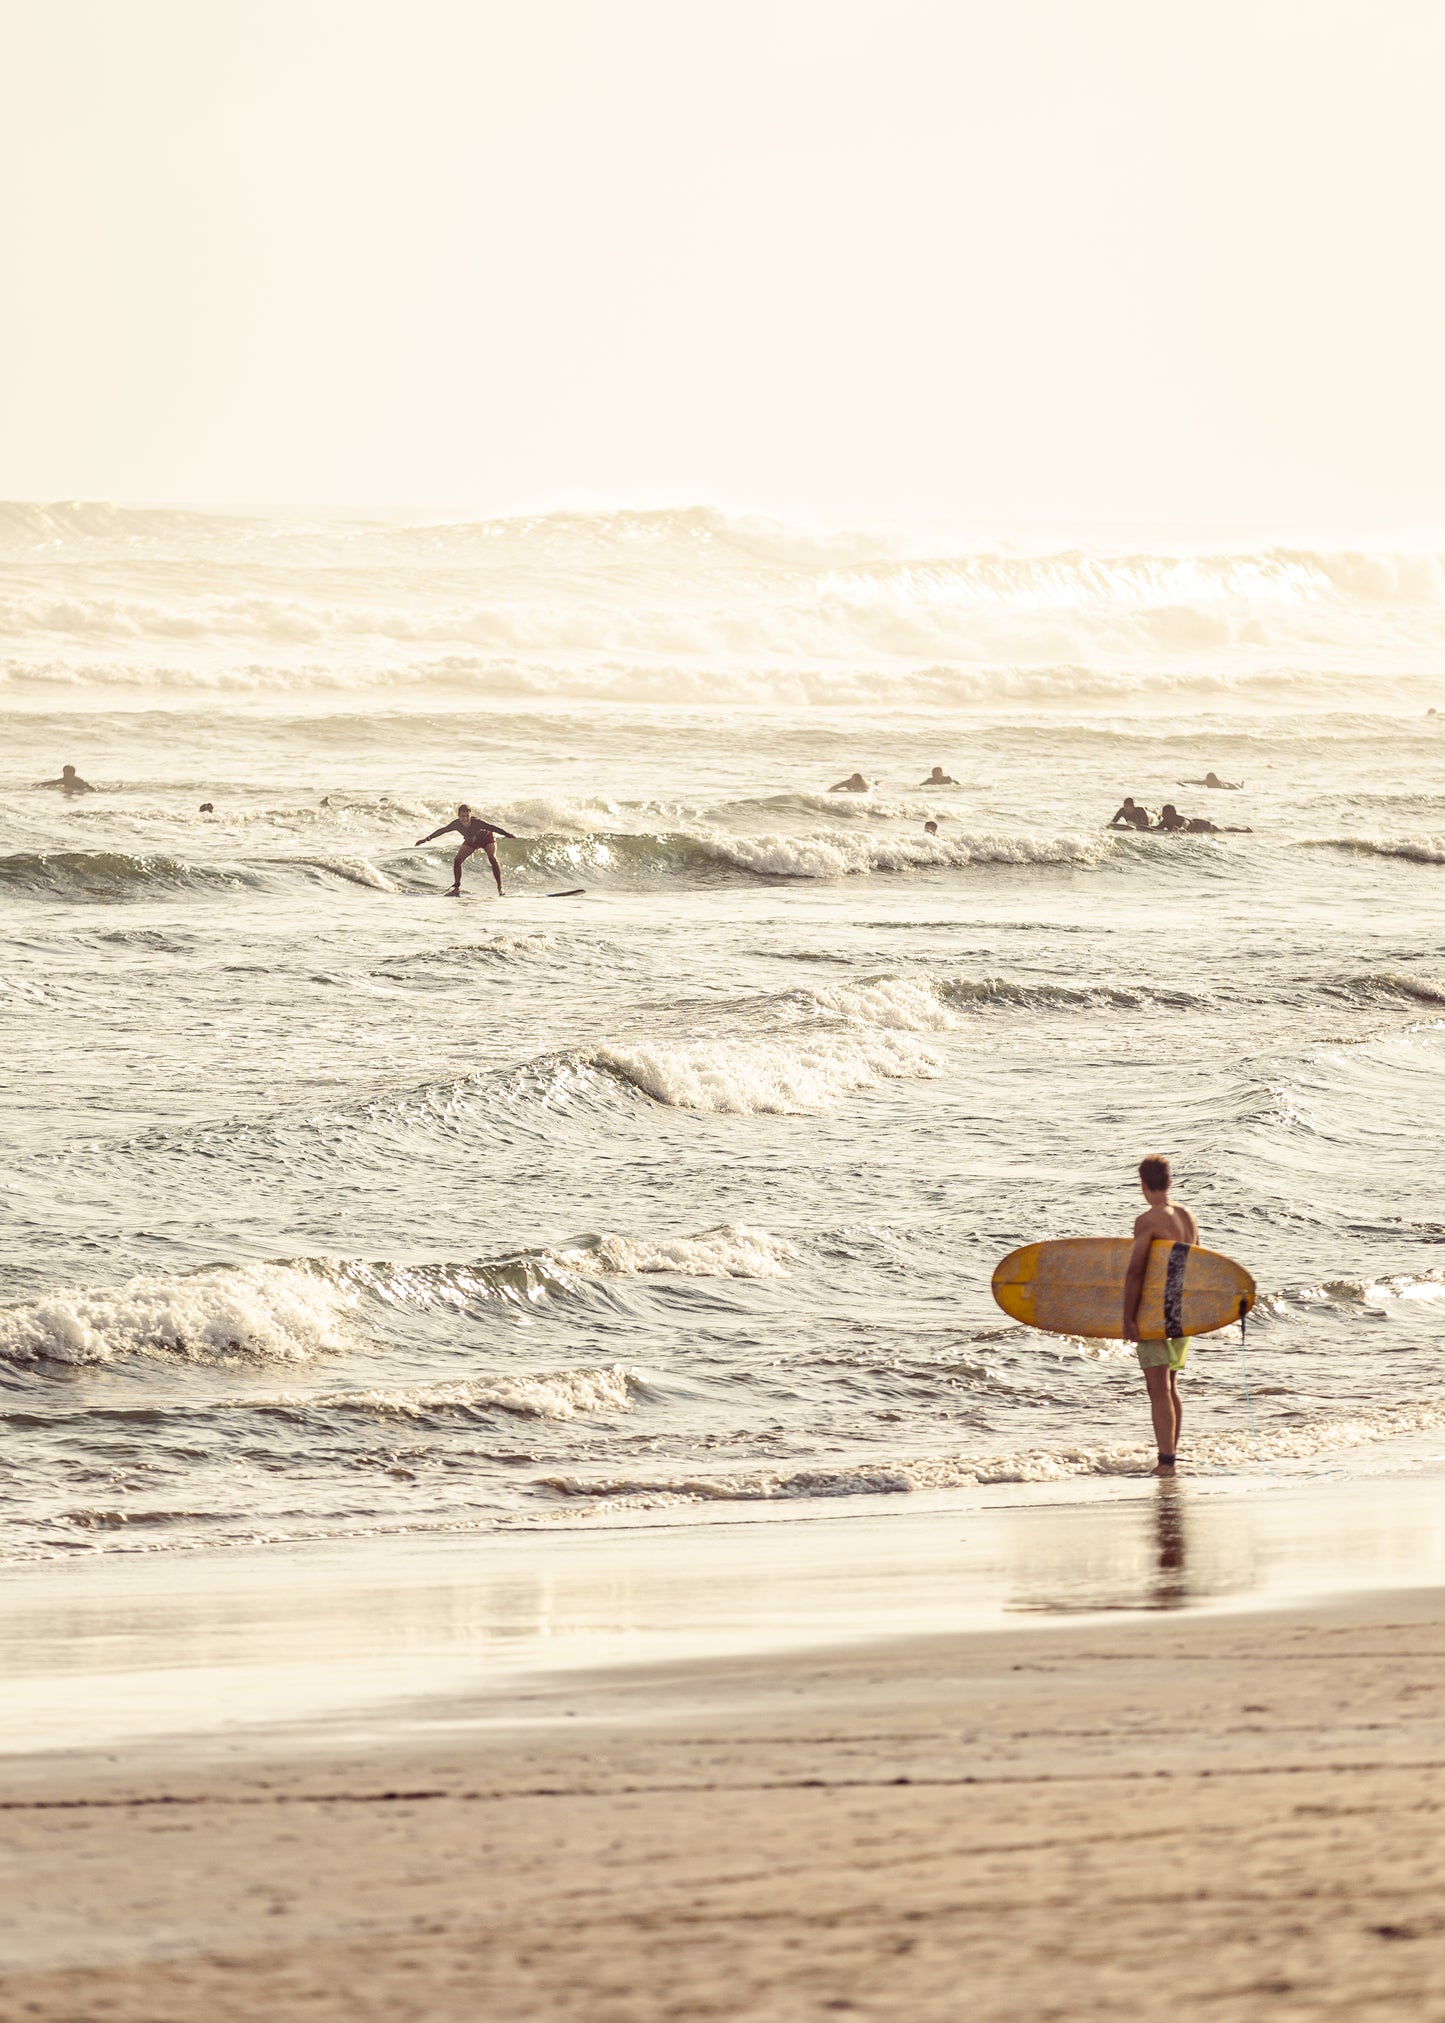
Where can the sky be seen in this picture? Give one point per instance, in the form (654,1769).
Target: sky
(1024,260)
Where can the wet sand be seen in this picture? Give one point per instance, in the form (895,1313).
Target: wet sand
(1162,1748)
(1128,1812)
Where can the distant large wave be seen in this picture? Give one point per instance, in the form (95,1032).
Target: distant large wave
(698,606)
(612,859)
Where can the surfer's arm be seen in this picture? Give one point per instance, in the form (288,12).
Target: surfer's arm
(444,830)
(1134,1282)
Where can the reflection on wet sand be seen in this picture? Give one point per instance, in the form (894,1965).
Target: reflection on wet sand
(1164,1552)
(1171,1583)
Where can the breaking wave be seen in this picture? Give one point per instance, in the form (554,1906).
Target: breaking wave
(767,1077)
(538,1394)
(1373,1294)
(1413,849)
(692,604)
(1375,986)
(295,1311)
(228,1313)
(111,876)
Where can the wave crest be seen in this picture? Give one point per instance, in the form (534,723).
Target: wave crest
(1412,849)
(297,1310)
(537,1394)
(751,1077)
(226,1314)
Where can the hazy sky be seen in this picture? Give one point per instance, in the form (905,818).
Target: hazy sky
(1116,259)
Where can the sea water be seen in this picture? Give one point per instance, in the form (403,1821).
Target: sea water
(333,1205)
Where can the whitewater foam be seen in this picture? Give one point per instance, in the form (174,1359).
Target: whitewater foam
(748,1077)
(296,1310)
(557,1395)
(824,613)
(230,1313)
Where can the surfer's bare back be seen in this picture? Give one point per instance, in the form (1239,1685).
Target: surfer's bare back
(476,835)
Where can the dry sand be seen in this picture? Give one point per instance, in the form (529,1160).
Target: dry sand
(1136,1816)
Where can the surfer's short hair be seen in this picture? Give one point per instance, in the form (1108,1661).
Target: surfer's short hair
(1154,1173)
(464,807)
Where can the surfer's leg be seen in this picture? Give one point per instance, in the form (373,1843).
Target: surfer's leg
(1177,1402)
(490,846)
(1161,1410)
(457,863)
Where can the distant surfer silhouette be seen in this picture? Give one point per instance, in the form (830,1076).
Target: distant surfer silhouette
(1161,1362)
(938,778)
(854,784)
(476,835)
(1213,780)
(69,782)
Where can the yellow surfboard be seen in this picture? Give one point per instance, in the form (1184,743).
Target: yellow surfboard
(1076,1287)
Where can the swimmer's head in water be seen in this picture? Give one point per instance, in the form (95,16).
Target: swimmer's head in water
(67,772)
(930,828)
(1169,809)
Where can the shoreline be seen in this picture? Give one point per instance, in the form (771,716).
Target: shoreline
(366,1634)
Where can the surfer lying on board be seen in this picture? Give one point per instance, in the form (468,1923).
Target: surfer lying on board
(476,835)
(1130,816)
(1171,822)
(1161,1362)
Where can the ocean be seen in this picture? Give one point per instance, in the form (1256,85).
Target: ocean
(335,1206)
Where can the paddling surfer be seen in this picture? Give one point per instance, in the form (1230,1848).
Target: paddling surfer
(1161,1362)
(1130,816)
(476,835)
(69,782)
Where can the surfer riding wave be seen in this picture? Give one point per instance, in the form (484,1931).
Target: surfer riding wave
(476,835)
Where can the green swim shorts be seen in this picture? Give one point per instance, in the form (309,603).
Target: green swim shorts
(1170,1355)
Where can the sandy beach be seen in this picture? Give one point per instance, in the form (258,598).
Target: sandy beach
(1199,1804)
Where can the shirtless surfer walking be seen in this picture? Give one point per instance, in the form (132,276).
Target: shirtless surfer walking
(1161,1362)
(476,835)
